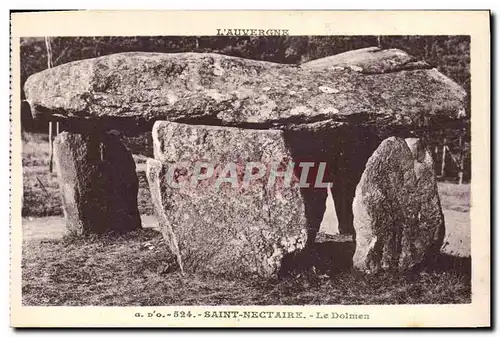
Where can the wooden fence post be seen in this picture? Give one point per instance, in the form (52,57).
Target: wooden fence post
(48,46)
(51,148)
(443,158)
(461,168)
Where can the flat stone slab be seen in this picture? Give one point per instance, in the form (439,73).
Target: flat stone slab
(324,237)
(372,60)
(228,228)
(398,219)
(328,254)
(366,88)
(333,253)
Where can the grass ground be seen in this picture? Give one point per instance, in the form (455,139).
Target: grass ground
(136,268)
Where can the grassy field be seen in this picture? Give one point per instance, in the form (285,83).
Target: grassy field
(136,268)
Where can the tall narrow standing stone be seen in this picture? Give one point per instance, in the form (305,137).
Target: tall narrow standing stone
(397,213)
(98,183)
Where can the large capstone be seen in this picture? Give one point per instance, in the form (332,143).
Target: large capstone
(98,183)
(131,90)
(220,206)
(398,219)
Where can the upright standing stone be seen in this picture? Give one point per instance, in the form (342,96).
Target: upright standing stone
(226,228)
(397,213)
(98,183)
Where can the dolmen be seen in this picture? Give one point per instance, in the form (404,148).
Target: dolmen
(245,151)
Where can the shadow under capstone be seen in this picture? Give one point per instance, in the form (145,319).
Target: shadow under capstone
(345,151)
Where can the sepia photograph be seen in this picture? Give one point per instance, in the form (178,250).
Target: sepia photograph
(250,167)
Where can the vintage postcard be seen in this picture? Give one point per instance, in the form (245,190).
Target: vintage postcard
(250,169)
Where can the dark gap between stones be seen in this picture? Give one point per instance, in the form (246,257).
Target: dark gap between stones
(345,150)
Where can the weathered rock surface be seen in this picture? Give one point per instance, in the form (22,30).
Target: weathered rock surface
(98,183)
(230,228)
(372,60)
(397,213)
(138,88)
(155,173)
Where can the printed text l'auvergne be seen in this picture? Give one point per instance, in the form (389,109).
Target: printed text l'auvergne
(252,32)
